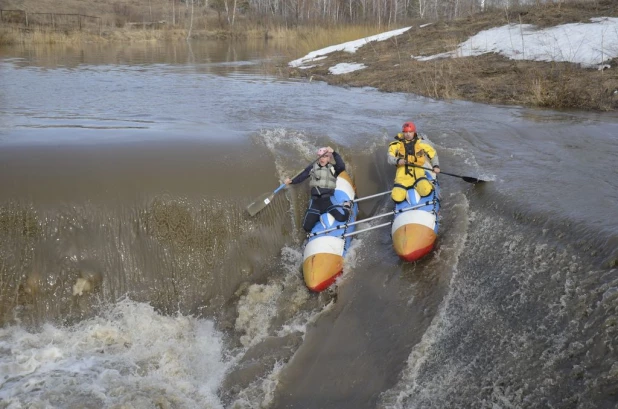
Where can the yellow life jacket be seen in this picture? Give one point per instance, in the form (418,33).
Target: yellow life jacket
(412,151)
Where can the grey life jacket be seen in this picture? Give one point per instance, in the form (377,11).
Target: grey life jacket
(323,177)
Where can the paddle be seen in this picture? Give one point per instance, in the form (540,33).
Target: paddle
(265,199)
(468,179)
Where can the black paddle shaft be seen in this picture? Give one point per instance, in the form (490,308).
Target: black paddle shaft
(468,179)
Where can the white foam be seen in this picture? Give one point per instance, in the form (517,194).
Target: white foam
(130,356)
(255,311)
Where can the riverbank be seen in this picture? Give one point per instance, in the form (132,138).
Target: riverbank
(488,78)
(19,35)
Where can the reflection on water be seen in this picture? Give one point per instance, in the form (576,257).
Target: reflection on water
(205,56)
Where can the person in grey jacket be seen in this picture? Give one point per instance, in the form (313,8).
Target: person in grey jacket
(323,180)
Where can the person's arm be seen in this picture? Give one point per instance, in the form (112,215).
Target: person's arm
(339,163)
(431,154)
(300,177)
(393,154)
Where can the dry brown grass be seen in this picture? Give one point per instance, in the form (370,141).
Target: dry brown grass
(128,20)
(314,38)
(44,35)
(488,78)
(14,35)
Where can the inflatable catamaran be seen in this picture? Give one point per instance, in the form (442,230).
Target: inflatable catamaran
(414,232)
(414,228)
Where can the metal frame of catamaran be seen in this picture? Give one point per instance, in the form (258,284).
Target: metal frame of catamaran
(468,179)
(391,213)
(262,201)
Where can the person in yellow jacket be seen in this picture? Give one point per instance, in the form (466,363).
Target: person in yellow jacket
(410,149)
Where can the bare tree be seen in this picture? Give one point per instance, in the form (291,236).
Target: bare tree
(191,21)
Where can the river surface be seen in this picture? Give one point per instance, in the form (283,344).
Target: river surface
(132,276)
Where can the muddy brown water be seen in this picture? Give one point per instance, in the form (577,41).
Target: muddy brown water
(131,273)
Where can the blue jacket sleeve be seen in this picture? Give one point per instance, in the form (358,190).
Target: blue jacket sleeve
(303,175)
(339,163)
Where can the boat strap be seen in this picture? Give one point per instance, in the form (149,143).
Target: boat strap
(413,184)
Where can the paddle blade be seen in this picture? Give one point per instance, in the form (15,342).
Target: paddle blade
(260,203)
(471,179)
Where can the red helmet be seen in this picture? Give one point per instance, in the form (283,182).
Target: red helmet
(408,127)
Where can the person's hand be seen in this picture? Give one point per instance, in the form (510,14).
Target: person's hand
(329,149)
(287,181)
(436,169)
(401,162)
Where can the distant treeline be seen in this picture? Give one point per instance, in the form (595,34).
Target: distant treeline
(200,14)
(387,12)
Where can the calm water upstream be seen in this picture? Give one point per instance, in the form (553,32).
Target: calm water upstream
(132,276)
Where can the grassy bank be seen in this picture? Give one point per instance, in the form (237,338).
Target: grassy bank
(489,78)
(42,35)
(299,39)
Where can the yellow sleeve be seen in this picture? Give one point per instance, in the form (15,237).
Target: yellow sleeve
(393,149)
(431,152)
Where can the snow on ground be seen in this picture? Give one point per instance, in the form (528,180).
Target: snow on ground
(345,67)
(588,44)
(349,47)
